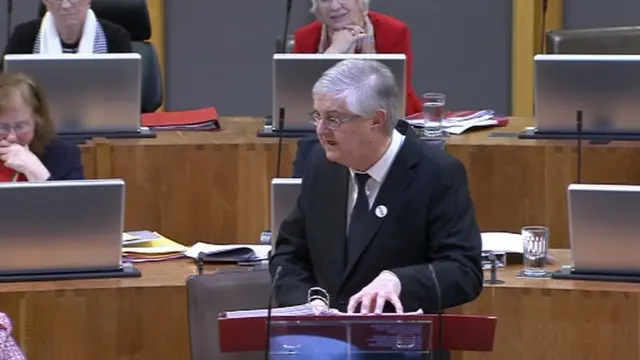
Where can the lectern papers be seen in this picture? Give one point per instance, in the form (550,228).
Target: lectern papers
(299,310)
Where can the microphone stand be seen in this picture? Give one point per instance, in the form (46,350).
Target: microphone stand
(9,18)
(283,45)
(440,347)
(280,129)
(267,346)
(579,150)
(545,5)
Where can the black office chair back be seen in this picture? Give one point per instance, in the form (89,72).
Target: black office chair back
(211,294)
(133,15)
(612,40)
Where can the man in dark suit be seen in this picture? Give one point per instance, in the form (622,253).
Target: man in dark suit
(380,214)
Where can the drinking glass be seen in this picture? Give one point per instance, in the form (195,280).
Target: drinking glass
(433,112)
(535,241)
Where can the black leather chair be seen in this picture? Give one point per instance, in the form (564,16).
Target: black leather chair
(133,15)
(612,40)
(211,294)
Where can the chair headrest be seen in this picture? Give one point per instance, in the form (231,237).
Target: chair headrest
(611,40)
(133,15)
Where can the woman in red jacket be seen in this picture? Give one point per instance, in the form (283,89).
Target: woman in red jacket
(347,27)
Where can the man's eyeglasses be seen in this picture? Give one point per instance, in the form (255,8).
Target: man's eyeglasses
(22,127)
(332,122)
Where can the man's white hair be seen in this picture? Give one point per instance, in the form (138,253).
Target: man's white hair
(365,5)
(365,87)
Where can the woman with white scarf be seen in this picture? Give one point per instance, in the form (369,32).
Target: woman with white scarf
(68,27)
(347,26)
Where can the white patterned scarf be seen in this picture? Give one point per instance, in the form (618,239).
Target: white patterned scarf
(364,46)
(93,39)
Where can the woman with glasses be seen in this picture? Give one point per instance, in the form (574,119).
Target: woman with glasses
(29,150)
(68,27)
(348,27)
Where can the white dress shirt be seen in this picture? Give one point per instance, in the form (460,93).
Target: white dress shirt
(378,172)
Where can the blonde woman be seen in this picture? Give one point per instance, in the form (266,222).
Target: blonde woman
(347,26)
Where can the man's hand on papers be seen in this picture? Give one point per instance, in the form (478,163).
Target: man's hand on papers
(385,288)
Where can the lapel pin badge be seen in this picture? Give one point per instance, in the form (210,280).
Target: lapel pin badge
(381,211)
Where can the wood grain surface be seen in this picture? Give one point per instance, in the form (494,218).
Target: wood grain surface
(146,318)
(214,186)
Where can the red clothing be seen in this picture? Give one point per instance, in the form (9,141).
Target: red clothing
(7,174)
(392,36)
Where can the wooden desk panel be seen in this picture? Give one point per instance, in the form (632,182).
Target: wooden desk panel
(125,319)
(515,182)
(146,318)
(203,186)
(89,162)
(197,186)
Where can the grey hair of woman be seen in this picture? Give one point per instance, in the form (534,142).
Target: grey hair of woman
(365,5)
(365,87)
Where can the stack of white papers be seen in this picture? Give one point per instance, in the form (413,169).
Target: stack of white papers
(299,310)
(502,242)
(460,121)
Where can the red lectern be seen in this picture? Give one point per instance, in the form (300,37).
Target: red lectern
(367,333)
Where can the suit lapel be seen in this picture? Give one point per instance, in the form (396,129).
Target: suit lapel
(398,178)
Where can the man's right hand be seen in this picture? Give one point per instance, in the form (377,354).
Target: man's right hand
(343,40)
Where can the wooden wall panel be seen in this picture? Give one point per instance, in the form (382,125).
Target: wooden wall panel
(527,41)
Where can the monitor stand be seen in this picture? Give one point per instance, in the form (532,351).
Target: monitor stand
(567,273)
(126,271)
(269,132)
(533,134)
(81,138)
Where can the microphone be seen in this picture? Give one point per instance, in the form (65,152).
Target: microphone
(267,347)
(440,347)
(280,129)
(283,45)
(579,137)
(9,18)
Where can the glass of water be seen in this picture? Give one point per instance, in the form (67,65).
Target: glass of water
(433,112)
(535,241)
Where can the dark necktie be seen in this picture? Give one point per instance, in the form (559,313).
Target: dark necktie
(358,218)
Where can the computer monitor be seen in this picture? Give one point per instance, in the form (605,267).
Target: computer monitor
(61,226)
(604,228)
(604,87)
(284,195)
(87,93)
(295,74)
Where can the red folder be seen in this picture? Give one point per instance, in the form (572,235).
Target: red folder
(205,119)
(459,332)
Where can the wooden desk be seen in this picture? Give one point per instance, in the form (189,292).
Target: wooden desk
(146,318)
(515,182)
(124,319)
(202,186)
